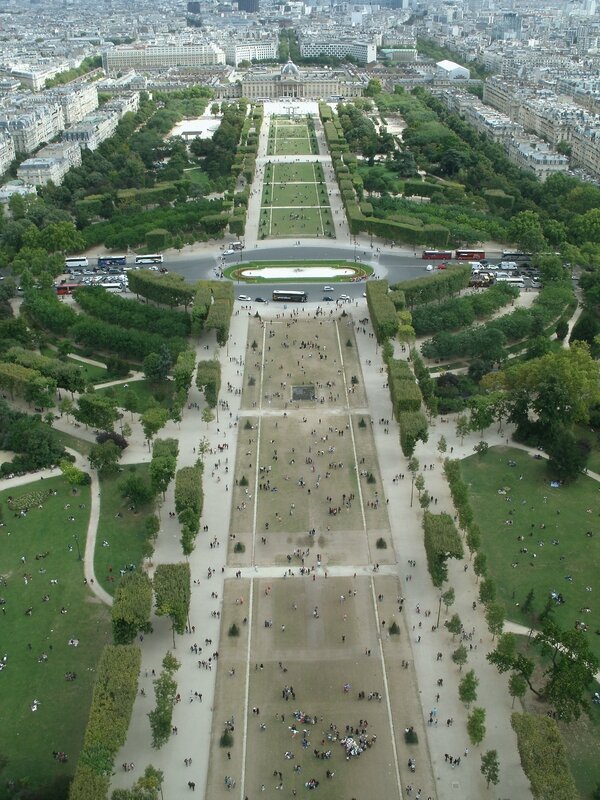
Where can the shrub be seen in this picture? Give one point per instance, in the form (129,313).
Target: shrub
(239,547)
(226,739)
(243,481)
(410,736)
(233,630)
(381,544)
(394,629)
(544,757)
(362,423)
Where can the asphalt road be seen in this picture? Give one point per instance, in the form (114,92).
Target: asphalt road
(396,266)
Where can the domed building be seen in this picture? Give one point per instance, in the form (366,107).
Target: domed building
(290,83)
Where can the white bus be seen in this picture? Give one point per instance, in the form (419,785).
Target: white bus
(152,258)
(512,281)
(113,287)
(75,262)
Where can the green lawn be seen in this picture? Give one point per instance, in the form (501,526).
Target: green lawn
(121,529)
(294,194)
(198,177)
(360,270)
(74,442)
(27,738)
(279,222)
(93,374)
(542,515)
(296,173)
(147,394)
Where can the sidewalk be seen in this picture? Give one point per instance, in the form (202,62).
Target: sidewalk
(465,782)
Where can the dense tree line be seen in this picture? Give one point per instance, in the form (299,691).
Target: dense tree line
(130,612)
(219,151)
(461,312)
(67,376)
(487,341)
(30,439)
(169,290)
(115,691)
(103,305)
(189,501)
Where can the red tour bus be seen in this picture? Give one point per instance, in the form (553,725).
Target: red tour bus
(67,288)
(470,255)
(436,255)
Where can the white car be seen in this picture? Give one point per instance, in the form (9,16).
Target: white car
(328,289)
(429,267)
(243,297)
(228,252)
(345,298)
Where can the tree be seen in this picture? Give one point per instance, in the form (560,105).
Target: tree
(517,686)
(473,539)
(525,229)
(162,472)
(463,427)
(487,591)
(482,413)
(157,365)
(105,457)
(494,616)
(448,598)
(165,691)
(569,673)
(413,465)
(480,565)
(454,625)
(172,592)
(136,489)
(153,419)
(476,725)
(419,483)
(566,456)
(467,688)
(147,787)
(442,445)
(74,475)
(66,406)
(490,767)
(460,656)
(96,410)
(207,416)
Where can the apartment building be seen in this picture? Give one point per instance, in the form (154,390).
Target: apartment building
(32,127)
(536,156)
(51,163)
(236,52)
(149,56)
(76,100)
(92,130)
(7,151)
(363,51)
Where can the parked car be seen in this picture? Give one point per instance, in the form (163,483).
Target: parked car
(260,300)
(328,299)
(243,297)
(328,289)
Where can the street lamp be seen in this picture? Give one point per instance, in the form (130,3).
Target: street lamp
(412,488)
(77,544)
(355,244)
(437,624)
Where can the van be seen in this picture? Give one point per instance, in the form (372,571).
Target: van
(475,265)
(508,265)
(236,246)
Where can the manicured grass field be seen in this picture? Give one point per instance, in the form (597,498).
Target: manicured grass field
(147,394)
(285,222)
(121,539)
(198,177)
(542,515)
(296,173)
(93,374)
(74,442)
(27,737)
(294,194)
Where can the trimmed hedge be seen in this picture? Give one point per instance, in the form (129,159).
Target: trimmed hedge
(460,312)
(442,541)
(543,757)
(413,428)
(189,501)
(130,612)
(382,310)
(208,380)
(115,691)
(436,287)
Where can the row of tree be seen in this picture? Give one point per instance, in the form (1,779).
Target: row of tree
(189,500)
(461,312)
(100,304)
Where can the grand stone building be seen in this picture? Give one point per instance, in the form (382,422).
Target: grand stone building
(289,82)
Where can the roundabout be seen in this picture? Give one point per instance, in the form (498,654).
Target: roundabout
(300,271)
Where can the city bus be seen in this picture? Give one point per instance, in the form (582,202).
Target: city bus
(511,280)
(436,255)
(289,296)
(517,257)
(152,258)
(470,255)
(111,261)
(113,287)
(75,262)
